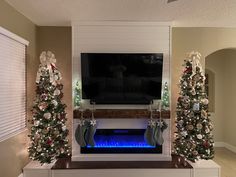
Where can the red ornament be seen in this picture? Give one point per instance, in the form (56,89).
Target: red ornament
(53,67)
(62,116)
(188,70)
(49,141)
(60,86)
(61,95)
(206,144)
(44,96)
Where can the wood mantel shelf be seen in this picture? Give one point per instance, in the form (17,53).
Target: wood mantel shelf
(121,113)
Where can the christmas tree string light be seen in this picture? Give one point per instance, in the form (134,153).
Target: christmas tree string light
(48,130)
(193,138)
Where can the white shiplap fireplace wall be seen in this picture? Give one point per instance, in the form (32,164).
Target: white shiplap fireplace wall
(120,37)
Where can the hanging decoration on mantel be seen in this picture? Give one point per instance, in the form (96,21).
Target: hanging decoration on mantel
(194,138)
(165,98)
(91,129)
(81,129)
(155,128)
(86,129)
(48,132)
(150,130)
(77,95)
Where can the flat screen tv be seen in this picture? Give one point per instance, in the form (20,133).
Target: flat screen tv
(121,78)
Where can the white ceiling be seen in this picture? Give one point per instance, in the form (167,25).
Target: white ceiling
(202,13)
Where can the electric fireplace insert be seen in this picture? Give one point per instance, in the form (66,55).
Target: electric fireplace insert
(120,141)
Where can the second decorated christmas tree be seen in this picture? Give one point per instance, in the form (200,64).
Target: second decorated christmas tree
(194,139)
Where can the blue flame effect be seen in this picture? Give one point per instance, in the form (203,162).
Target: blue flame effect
(120,141)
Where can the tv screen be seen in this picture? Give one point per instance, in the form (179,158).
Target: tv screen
(121,78)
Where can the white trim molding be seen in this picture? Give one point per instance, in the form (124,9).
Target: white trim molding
(230,147)
(13,36)
(226,145)
(120,23)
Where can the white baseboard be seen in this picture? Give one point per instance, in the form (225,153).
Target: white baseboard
(226,145)
(230,147)
(21,175)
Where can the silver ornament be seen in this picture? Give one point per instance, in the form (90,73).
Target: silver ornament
(199,136)
(184,133)
(47,115)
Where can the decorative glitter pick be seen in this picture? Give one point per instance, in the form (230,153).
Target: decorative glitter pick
(93,122)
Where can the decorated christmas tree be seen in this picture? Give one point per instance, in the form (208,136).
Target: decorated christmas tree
(48,132)
(194,139)
(165,97)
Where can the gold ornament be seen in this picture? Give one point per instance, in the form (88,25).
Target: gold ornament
(203,114)
(195,153)
(194,145)
(205,101)
(193,91)
(199,126)
(45,131)
(190,127)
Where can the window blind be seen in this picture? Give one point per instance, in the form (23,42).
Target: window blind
(12,84)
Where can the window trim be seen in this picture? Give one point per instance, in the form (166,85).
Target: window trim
(13,36)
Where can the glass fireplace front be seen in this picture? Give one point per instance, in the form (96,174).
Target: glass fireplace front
(113,141)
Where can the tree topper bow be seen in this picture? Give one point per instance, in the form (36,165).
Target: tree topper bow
(195,58)
(47,60)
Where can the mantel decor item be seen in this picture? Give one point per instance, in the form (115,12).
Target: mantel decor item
(194,138)
(154,131)
(91,129)
(77,95)
(48,131)
(165,97)
(84,133)
(80,130)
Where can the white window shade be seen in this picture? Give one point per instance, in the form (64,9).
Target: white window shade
(12,84)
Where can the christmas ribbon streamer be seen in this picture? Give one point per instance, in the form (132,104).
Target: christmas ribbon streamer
(195,56)
(48,60)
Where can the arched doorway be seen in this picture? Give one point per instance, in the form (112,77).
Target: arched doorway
(220,68)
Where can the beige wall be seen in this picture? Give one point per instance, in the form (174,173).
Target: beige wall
(58,40)
(14,150)
(223,63)
(204,40)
